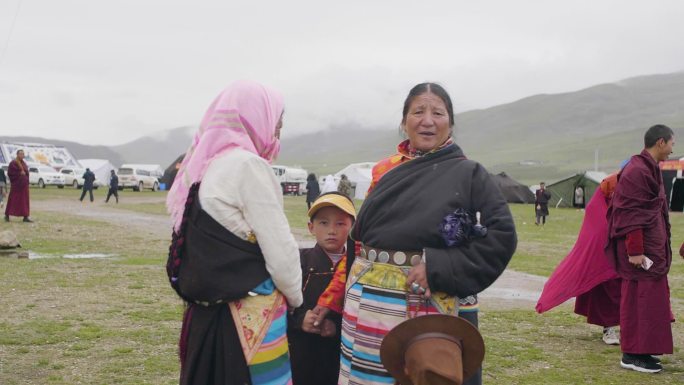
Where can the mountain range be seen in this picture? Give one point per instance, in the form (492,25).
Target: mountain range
(541,137)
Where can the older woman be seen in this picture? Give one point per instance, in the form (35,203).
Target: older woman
(424,250)
(233,258)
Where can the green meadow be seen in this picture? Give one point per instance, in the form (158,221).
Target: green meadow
(115,320)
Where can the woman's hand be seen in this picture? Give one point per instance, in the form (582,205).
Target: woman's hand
(320,313)
(308,323)
(418,275)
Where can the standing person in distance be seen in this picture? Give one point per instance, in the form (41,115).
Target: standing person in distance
(18,199)
(541,204)
(113,186)
(313,190)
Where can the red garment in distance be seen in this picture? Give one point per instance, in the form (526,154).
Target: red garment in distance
(586,266)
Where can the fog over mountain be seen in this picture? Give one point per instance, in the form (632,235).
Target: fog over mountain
(544,136)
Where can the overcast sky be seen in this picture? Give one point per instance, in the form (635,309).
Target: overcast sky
(108,72)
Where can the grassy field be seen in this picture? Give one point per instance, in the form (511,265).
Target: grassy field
(116,321)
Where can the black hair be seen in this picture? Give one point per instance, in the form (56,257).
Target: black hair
(657,132)
(311,177)
(423,88)
(334,193)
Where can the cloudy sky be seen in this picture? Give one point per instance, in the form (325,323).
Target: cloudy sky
(108,72)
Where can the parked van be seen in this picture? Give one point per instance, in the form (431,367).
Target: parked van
(292,180)
(137,179)
(42,175)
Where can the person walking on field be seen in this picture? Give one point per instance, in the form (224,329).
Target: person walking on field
(639,245)
(113,187)
(541,204)
(88,180)
(18,200)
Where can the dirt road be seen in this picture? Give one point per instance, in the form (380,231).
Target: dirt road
(513,290)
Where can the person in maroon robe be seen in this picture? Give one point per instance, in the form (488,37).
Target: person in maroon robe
(639,232)
(586,273)
(18,200)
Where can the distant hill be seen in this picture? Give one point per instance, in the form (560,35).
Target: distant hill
(160,148)
(80,151)
(557,134)
(541,137)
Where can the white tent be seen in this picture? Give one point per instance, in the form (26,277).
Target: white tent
(100,167)
(360,175)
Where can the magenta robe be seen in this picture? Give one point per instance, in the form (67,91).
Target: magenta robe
(585,269)
(18,199)
(639,202)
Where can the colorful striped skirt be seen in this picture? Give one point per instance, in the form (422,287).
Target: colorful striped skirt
(261,322)
(375,302)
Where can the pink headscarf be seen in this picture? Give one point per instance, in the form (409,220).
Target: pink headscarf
(243,116)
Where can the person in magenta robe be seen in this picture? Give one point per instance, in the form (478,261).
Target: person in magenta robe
(639,232)
(586,273)
(18,200)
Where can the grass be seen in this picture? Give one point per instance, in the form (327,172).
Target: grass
(116,320)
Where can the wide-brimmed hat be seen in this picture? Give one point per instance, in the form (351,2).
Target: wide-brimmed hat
(334,199)
(433,349)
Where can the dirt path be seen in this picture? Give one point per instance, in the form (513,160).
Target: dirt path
(513,290)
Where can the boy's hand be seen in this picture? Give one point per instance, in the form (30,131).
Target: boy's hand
(308,323)
(320,312)
(328,329)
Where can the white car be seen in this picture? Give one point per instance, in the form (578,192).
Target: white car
(42,175)
(74,177)
(137,179)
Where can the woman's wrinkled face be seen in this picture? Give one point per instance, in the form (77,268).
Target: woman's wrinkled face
(427,122)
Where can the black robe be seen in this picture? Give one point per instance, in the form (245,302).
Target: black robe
(315,360)
(406,208)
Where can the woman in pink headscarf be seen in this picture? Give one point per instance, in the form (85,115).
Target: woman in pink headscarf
(233,259)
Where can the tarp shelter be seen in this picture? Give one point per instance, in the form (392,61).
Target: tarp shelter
(673,181)
(100,167)
(512,190)
(171,171)
(563,191)
(360,176)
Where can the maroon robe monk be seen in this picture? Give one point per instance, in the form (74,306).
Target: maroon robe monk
(638,226)
(18,200)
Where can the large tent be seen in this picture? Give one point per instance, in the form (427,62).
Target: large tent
(563,191)
(674,182)
(512,190)
(360,175)
(100,167)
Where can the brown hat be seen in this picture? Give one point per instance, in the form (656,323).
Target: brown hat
(433,349)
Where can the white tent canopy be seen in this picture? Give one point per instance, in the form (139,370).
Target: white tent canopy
(100,167)
(360,175)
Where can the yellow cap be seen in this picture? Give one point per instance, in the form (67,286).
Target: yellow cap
(337,200)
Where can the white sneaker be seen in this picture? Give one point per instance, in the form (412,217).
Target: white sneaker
(611,336)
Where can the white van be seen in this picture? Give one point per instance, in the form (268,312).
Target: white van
(42,175)
(137,179)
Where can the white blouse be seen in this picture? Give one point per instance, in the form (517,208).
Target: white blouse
(240,191)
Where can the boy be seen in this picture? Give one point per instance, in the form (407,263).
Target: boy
(315,350)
